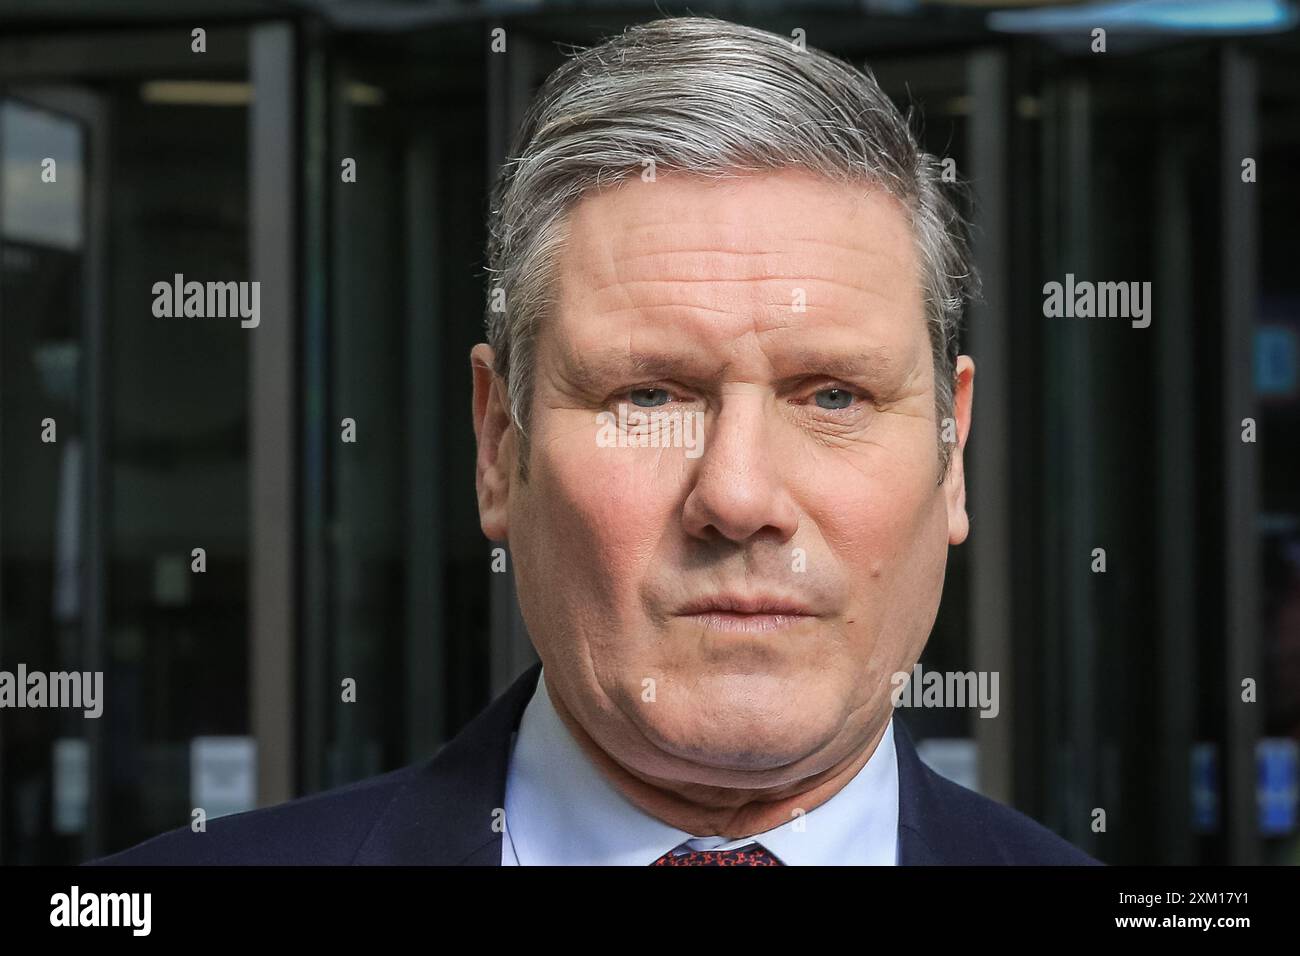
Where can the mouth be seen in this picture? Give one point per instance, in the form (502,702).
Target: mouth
(746,613)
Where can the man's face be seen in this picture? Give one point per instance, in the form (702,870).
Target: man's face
(787,312)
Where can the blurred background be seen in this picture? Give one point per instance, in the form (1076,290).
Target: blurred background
(327,560)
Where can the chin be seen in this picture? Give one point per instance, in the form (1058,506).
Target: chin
(752,734)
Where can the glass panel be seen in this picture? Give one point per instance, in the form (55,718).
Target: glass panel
(401,591)
(1129,615)
(44,766)
(177,647)
(172,415)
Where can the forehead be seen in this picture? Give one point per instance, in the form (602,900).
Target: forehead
(772,254)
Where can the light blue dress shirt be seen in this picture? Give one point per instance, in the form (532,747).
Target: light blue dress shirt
(561,811)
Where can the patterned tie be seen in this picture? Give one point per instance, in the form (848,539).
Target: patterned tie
(751,854)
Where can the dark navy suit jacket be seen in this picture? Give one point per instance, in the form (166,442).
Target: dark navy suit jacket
(440,812)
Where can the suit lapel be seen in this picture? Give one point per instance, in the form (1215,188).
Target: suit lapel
(928,830)
(444,816)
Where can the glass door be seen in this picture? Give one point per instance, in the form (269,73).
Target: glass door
(124,529)
(46,451)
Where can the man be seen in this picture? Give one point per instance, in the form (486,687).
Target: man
(721,420)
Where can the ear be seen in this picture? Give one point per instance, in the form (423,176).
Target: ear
(954,484)
(494,433)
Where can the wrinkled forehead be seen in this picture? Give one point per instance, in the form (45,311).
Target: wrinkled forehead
(788,258)
(741,213)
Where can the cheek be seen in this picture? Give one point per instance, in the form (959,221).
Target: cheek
(890,540)
(602,513)
(884,520)
(876,508)
(881,533)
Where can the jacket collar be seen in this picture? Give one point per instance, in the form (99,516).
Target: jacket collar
(450,812)
(918,844)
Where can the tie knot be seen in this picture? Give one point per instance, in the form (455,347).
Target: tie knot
(751,854)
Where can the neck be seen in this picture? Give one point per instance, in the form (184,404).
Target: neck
(702,810)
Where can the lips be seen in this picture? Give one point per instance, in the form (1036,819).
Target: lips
(736,604)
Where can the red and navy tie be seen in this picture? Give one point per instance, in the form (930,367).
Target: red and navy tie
(751,854)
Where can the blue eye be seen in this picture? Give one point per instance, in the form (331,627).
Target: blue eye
(839,398)
(651,391)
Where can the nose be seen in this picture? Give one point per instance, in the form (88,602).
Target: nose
(738,489)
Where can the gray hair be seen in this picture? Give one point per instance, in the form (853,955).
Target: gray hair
(715,99)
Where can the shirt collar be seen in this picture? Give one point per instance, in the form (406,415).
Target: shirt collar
(561,811)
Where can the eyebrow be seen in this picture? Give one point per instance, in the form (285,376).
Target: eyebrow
(589,370)
(871,363)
